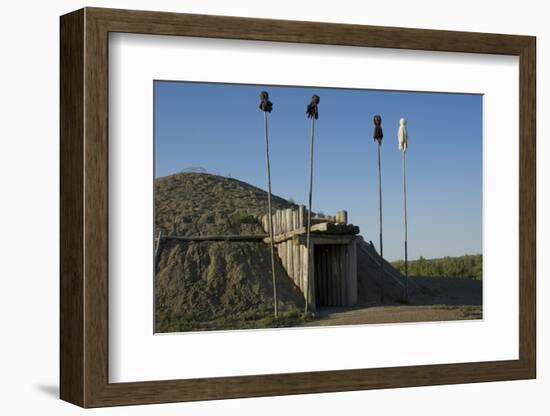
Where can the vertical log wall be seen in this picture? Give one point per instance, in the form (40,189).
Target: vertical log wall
(336,264)
(286,220)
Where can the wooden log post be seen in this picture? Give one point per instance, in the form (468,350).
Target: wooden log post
(266,220)
(283,253)
(296,258)
(300,269)
(291,260)
(352,273)
(288,220)
(309,287)
(343,275)
(335,275)
(157,247)
(342,217)
(303,267)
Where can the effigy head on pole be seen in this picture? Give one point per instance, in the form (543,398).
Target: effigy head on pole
(265,105)
(378,134)
(402,135)
(313,107)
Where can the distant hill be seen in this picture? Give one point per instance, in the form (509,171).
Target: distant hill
(470,266)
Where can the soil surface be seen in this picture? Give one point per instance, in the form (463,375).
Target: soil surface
(216,285)
(394,314)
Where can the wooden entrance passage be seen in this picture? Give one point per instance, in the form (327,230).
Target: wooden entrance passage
(331,271)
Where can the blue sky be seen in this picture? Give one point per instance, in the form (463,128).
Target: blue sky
(219,127)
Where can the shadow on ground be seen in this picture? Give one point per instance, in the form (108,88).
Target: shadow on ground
(51,390)
(446,291)
(431,299)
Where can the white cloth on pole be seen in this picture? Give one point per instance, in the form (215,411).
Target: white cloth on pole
(402,135)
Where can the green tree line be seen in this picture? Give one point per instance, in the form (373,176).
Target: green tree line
(470,266)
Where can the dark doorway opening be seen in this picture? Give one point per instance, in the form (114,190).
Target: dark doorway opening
(330,274)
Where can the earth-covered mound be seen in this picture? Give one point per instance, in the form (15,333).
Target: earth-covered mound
(216,284)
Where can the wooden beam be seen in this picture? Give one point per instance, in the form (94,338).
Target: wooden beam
(254,237)
(325,239)
(277,239)
(333,228)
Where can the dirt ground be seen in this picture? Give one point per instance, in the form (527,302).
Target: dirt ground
(394,314)
(431,299)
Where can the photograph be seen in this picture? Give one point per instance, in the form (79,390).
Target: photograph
(282,206)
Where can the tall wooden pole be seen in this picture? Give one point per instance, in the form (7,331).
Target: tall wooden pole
(402,139)
(266,107)
(378,135)
(405,222)
(382,289)
(312,112)
(308,230)
(271,242)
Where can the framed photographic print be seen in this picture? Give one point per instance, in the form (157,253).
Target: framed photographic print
(255,207)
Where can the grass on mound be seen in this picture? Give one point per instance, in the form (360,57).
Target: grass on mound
(173,322)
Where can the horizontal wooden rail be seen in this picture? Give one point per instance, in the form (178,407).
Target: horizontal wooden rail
(253,237)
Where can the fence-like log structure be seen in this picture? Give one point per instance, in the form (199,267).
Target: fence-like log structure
(332,265)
